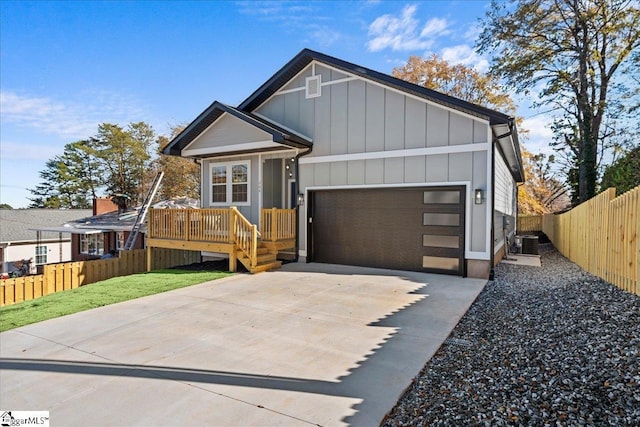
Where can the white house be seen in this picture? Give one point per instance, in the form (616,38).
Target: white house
(19,240)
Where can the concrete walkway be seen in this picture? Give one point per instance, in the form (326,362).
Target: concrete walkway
(311,344)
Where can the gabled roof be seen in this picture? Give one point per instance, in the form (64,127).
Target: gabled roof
(508,141)
(306,56)
(217,109)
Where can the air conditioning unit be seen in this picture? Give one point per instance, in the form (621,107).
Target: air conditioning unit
(529,245)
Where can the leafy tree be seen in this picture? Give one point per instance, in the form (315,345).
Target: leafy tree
(115,161)
(542,192)
(623,174)
(124,155)
(573,50)
(181,175)
(5,206)
(69,180)
(456,80)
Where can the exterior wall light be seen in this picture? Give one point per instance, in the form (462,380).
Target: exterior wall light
(300,199)
(478,196)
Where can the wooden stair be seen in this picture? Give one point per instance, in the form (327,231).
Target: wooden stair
(266,259)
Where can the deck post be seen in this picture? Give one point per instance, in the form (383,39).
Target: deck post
(233,261)
(254,245)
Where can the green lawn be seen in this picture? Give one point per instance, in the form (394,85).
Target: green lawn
(102,293)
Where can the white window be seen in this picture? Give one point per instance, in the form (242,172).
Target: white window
(230,184)
(92,244)
(41,255)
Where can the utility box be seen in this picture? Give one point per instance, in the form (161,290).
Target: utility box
(529,245)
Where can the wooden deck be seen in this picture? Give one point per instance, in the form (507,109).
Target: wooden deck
(225,231)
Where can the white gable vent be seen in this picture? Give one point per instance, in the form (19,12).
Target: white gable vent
(313,89)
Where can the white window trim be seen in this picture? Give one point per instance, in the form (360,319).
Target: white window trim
(313,80)
(229,184)
(92,236)
(45,255)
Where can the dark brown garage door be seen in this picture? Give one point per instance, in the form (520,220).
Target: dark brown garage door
(418,229)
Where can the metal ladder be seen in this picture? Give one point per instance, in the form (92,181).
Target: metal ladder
(142,213)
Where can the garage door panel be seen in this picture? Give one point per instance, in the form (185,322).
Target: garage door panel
(389,228)
(440,252)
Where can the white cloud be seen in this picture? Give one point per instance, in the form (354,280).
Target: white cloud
(401,33)
(69,118)
(306,19)
(539,134)
(465,55)
(539,127)
(278,10)
(434,27)
(472,34)
(323,35)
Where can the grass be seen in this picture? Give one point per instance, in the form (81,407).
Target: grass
(99,294)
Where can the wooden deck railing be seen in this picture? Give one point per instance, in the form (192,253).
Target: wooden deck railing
(207,225)
(224,226)
(245,236)
(278,224)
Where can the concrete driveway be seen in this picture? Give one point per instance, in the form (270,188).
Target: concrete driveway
(310,344)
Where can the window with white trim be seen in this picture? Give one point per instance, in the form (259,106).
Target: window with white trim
(230,183)
(92,244)
(41,255)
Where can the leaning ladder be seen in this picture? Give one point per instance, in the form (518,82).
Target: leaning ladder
(142,213)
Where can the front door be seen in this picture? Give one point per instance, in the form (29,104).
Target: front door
(272,184)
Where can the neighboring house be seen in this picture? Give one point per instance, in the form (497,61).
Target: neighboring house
(19,239)
(382,172)
(92,237)
(105,231)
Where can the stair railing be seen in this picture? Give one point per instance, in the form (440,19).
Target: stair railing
(244,235)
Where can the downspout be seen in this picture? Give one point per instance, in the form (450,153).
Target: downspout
(198,162)
(493,210)
(516,148)
(297,169)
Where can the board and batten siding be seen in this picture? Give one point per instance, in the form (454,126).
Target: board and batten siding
(505,202)
(368,135)
(228,130)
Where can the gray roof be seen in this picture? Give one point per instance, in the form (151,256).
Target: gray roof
(15,224)
(215,110)
(507,140)
(115,221)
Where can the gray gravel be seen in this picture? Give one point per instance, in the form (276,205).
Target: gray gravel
(540,346)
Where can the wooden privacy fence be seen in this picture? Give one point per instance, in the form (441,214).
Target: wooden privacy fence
(601,236)
(529,223)
(71,275)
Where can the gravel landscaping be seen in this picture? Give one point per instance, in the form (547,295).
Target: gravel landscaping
(540,346)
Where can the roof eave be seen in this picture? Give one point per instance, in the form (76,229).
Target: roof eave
(506,136)
(214,111)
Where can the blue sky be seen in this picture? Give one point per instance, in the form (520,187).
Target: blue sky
(66,67)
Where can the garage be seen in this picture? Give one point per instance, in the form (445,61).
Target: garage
(416,229)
